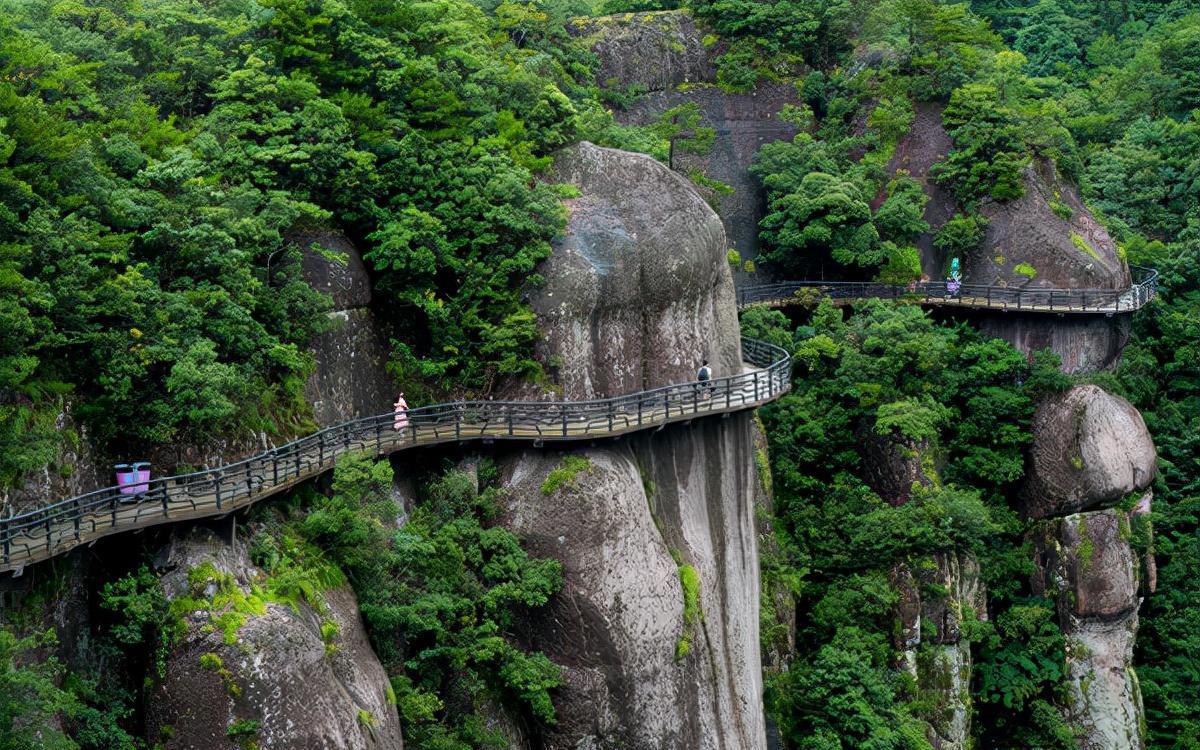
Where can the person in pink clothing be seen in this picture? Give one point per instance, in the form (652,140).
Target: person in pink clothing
(401,420)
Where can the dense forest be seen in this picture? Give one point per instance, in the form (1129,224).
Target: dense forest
(157,158)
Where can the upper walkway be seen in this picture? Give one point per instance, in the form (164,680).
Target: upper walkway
(937,294)
(54,529)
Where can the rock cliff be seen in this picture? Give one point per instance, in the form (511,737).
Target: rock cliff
(1091,465)
(349,380)
(670,57)
(657,624)
(638,291)
(1048,233)
(288,677)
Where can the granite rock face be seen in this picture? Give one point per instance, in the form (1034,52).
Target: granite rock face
(303,690)
(926,144)
(72,472)
(1090,449)
(638,673)
(1064,253)
(671,57)
(638,291)
(1091,452)
(350,380)
(1084,344)
(928,637)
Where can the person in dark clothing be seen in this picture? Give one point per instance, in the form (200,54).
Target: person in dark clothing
(705,377)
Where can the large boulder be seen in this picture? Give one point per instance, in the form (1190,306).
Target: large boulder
(638,290)
(640,671)
(293,678)
(1090,449)
(1047,238)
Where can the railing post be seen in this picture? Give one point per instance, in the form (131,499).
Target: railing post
(378,439)
(217,488)
(667,404)
(76,514)
(564,418)
(639,411)
(321,448)
(1083,300)
(509,416)
(756,385)
(1051,299)
(728,392)
(274,467)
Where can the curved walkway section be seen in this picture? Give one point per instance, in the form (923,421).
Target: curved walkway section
(54,529)
(937,293)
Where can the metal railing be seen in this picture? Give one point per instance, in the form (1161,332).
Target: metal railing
(53,529)
(938,293)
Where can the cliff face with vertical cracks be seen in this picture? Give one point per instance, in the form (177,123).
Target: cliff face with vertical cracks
(1091,466)
(657,624)
(349,380)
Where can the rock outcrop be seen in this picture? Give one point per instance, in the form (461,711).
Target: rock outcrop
(928,637)
(637,292)
(1051,234)
(639,670)
(350,379)
(1090,449)
(292,678)
(1091,465)
(670,57)
(926,144)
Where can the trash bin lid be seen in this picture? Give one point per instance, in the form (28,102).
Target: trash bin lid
(120,467)
(141,465)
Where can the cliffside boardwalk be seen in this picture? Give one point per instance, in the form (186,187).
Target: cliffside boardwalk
(54,529)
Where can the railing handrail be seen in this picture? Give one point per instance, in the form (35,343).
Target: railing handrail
(770,378)
(1034,299)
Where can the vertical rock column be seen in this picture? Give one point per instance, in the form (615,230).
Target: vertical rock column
(1092,465)
(928,635)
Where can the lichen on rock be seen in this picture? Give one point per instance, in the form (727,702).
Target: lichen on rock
(292,678)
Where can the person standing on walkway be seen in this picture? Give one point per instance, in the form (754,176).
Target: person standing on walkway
(401,420)
(705,378)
